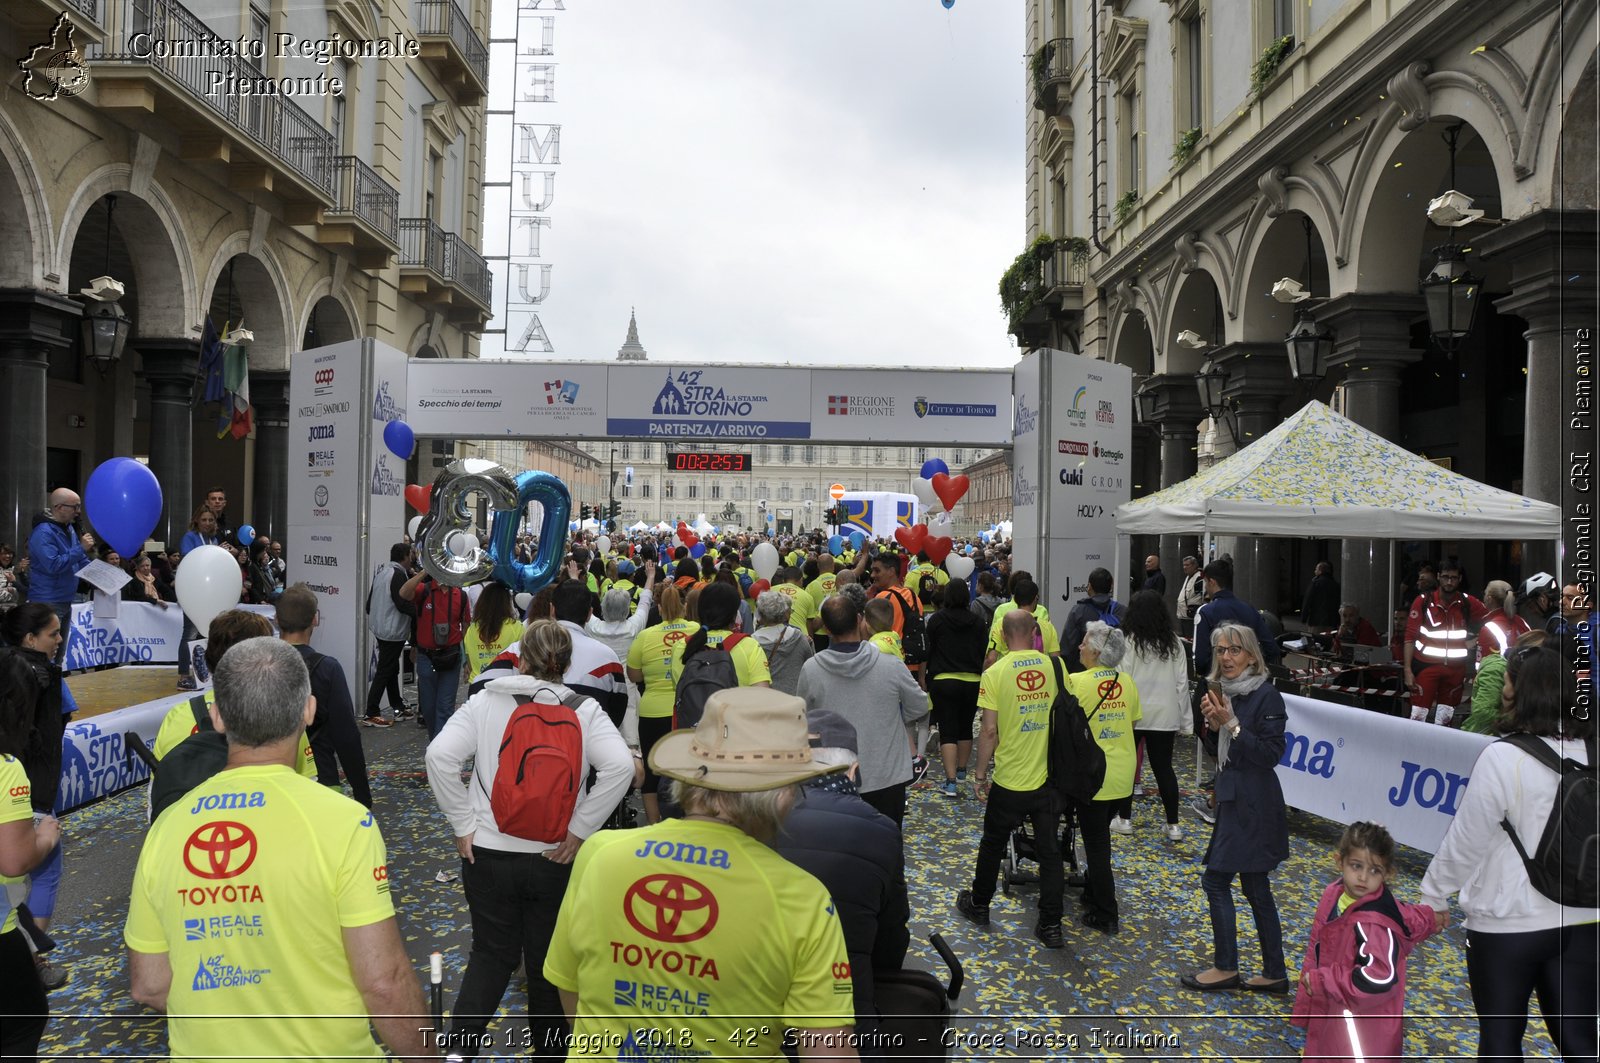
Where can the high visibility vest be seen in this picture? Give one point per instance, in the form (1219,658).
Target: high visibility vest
(1442,637)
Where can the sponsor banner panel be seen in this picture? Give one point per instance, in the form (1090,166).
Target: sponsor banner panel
(1071,561)
(326,416)
(1348,764)
(1026,544)
(1089,447)
(139,633)
(486,399)
(887,406)
(709,402)
(325,558)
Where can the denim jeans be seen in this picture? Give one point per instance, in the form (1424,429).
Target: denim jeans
(1225,934)
(63,611)
(436,693)
(513,899)
(1004,814)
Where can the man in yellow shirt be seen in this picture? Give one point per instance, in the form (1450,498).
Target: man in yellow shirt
(1015,694)
(824,584)
(804,614)
(925,567)
(1025,598)
(262,893)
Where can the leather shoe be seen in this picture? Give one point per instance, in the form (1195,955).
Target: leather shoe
(1280,987)
(1049,935)
(1219,986)
(1106,924)
(1076,881)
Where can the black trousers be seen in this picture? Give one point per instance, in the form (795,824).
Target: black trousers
(1158,755)
(1557,965)
(513,899)
(1005,813)
(386,678)
(335,743)
(891,801)
(27,1009)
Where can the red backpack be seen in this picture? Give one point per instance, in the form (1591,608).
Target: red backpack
(540,772)
(442,616)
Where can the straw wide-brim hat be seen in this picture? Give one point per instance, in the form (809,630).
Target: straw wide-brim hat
(749,739)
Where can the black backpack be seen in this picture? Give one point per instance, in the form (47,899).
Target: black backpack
(1077,764)
(704,674)
(913,630)
(1566,865)
(190,762)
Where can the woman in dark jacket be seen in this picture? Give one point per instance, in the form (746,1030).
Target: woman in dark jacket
(263,588)
(957,638)
(1251,836)
(145,586)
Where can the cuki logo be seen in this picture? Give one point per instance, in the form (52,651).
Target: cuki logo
(1032,679)
(670,908)
(223,849)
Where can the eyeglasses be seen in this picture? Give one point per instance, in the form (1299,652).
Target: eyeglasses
(1232,651)
(69,505)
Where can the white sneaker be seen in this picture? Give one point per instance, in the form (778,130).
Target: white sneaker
(1174,832)
(1138,789)
(1121,826)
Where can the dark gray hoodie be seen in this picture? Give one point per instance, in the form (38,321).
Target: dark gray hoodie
(877,694)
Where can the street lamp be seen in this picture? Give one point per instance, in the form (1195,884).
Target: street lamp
(105,325)
(1145,400)
(1451,294)
(1210,381)
(1310,346)
(611,501)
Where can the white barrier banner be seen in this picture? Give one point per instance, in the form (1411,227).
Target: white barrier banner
(95,760)
(140,633)
(1348,764)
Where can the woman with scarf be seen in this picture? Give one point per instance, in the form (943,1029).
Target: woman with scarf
(1251,835)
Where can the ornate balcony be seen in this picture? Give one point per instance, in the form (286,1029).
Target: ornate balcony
(365,216)
(441,270)
(457,54)
(1063,274)
(260,142)
(34,20)
(1051,68)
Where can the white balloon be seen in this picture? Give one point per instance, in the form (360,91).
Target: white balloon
(411,528)
(924,492)
(764,559)
(604,545)
(461,544)
(941,526)
(523,600)
(958,566)
(207,583)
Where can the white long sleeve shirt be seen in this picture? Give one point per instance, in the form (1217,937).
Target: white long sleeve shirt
(477,728)
(1477,858)
(1163,686)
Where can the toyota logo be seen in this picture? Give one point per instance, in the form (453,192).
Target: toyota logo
(1032,679)
(670,908)
(321,495)
(672,638)
(1109,690)
(220,850)
(323,376)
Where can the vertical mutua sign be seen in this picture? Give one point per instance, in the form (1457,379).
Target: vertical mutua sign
(523,116)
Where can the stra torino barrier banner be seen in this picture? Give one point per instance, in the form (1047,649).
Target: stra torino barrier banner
(487,399)
(140,633)
(95,759)
(1348,764)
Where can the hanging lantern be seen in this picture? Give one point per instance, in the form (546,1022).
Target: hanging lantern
(1451,294)
(1310,347)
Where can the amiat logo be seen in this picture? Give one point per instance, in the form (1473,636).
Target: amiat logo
(1077,414)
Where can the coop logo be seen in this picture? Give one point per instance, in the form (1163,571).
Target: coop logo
(217,973)
(55,68)
(322,382)
(1077,412)
(673,909)
(1103,413)
(1107,454)
(1027,417)
(19,791)
(560,392)
(221,849)
(380,875)
(1072,477)
(384,408)
(1073,447)
(385,482)
(318,432)
(860,406)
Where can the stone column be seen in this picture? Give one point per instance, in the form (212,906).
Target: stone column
(269,394)
(169,368)
(1371,348)
(1548,253)
(1177,417)
(1258,384)
(32,325)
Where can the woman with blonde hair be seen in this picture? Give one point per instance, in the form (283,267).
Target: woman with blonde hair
(649,662)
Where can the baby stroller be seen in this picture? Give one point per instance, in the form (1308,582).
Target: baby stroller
(1021,846)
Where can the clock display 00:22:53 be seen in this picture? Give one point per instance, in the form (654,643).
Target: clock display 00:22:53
(707,461)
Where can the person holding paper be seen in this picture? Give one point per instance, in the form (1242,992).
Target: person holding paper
(56,554)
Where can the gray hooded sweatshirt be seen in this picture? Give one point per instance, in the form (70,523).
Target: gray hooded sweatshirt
(877,694)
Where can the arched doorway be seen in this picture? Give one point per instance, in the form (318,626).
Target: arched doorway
(327,323)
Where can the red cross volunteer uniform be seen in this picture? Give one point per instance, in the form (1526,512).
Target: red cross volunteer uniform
(246,885)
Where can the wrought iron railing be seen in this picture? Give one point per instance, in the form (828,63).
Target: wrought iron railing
(90,9)
(148,32)
(468,268)
(358,190)
(424,244)
(1067,267)
(443,18)
(1051,67)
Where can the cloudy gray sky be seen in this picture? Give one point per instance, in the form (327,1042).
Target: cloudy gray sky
(831,181)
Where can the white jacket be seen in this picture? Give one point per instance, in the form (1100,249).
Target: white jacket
(1163,686)
(1477,858)
(476,729)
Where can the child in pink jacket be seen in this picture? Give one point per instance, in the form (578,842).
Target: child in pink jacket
(1353,979)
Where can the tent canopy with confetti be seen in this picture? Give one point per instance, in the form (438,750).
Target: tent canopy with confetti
(1320,474)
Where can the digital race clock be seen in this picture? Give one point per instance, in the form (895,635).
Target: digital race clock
(706,461)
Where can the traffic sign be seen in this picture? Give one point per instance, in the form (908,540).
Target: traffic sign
(836,491)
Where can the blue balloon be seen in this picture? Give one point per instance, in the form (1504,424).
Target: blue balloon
(400,440)
(835,545)
(933,466)
(552,494)
(123,503)
(247,535)
(697,551)
(948,4)
(857,540)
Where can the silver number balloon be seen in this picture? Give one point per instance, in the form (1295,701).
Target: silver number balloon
(448,517)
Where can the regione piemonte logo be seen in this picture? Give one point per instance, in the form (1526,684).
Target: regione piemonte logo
(55,68)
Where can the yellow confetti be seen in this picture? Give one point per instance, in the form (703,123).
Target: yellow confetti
(1479,48)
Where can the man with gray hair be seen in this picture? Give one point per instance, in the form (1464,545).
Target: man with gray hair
(263,893)
(787,649)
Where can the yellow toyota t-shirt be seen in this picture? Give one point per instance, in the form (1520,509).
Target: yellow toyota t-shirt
(1019,689)
(1112,725)
(651,653)
(889,643)
(480,653)
(16,802)
(1039,611)
(820,588)
(1047,631)
(677,935)
(749,659)
(246,885)
(915,574)
(805,607)
(179,724)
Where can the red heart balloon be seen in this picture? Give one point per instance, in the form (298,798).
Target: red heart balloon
(950,488)
(912,538)
(759,587)
(417,497)
(937,549)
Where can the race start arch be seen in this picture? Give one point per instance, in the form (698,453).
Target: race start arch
(346,502)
